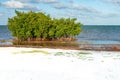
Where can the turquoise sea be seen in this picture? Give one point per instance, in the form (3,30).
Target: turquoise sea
(91,34)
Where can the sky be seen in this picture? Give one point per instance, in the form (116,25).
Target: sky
(88,12)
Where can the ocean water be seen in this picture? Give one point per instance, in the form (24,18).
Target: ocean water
(91,34)
(100,34)
(5,33)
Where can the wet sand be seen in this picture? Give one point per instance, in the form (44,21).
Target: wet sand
(61,45)
(94,47)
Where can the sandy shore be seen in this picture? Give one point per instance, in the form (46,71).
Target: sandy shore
(58,64)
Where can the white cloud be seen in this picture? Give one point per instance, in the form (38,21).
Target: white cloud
(14,4)
(19,5)
(70,1)
(60,6)
(76,11)
(78,7)
(1,14)
(109,15)
(36,1)
(113,1)
(83,8)
(48,1)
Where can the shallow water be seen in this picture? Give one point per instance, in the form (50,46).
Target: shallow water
(90,34)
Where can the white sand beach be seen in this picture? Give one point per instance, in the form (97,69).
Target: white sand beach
(58,64)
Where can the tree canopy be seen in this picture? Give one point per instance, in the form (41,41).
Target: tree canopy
(39,26)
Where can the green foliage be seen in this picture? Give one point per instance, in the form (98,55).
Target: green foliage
(34,26)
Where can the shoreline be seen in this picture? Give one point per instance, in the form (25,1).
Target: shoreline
(94,47)
(74,45)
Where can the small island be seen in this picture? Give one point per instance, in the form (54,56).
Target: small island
(37,26)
